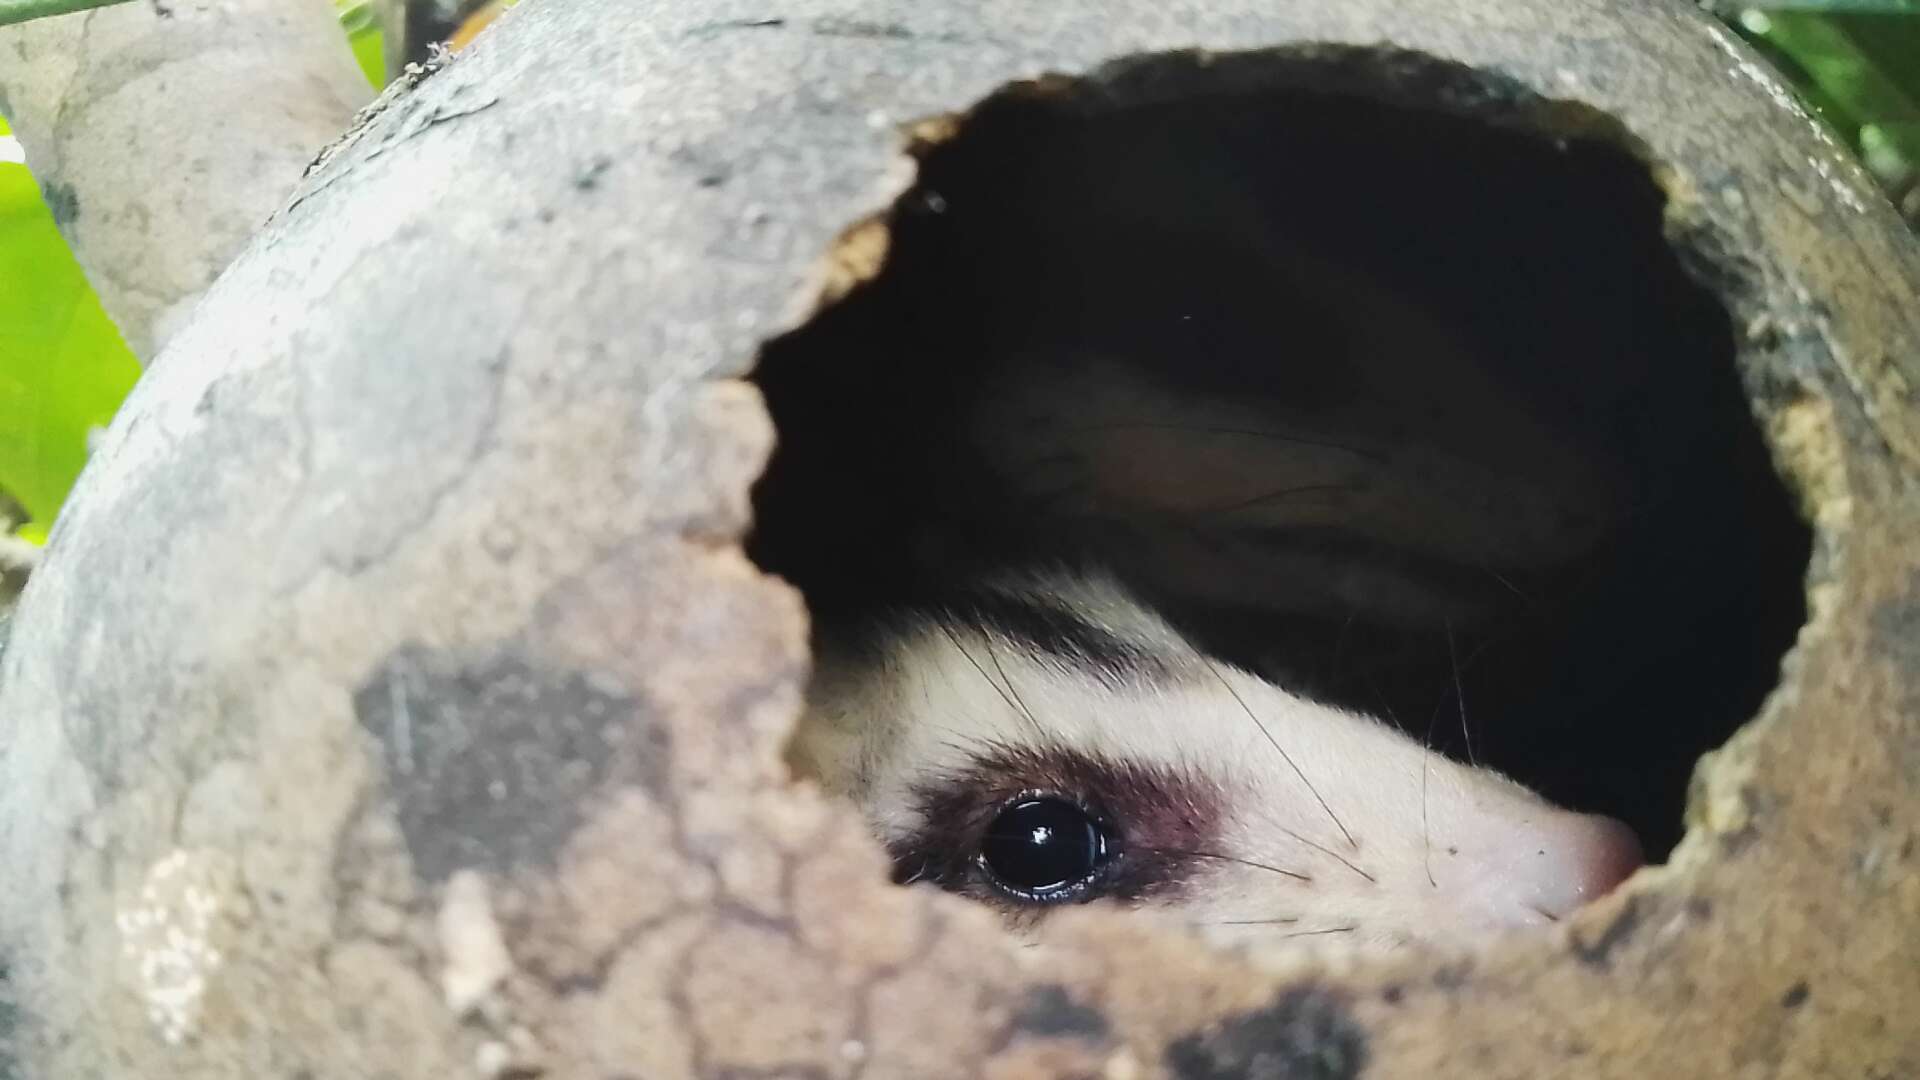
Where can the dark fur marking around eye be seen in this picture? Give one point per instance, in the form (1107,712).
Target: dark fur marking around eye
(1164,820)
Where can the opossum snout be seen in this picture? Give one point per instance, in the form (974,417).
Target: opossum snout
(1530,868)
(1578,858)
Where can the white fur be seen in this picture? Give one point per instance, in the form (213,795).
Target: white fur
(1452,851)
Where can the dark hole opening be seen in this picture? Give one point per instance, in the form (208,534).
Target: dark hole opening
(1397,406)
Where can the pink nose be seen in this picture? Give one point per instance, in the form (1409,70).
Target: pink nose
(1593,855)
(1613,852)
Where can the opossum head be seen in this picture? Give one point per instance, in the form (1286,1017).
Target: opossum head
(1048,740)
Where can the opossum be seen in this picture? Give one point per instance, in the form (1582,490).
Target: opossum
(1044,738)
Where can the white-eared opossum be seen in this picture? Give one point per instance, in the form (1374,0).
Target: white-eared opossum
(1046,739)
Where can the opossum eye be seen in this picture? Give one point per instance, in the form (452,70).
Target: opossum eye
(1044,848)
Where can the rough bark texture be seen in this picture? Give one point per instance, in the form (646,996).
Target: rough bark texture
(164,133)
(395,700)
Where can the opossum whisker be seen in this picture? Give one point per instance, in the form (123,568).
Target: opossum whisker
(1426,748)
(1330,853)
(1543,913)
(1275,743)
(1194,853)
(1381,703)
(1459,691)
(1012,689)
(1504,582)
(1013,700)
(959,743)
(1285,920)
(1426,827)
(1317,933)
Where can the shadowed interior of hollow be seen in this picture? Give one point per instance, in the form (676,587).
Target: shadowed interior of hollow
(1475,370)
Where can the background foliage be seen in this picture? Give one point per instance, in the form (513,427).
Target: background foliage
(63,368)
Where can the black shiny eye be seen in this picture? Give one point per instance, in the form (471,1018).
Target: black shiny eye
(1043,848)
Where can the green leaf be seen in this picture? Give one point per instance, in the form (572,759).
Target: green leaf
(355,15)
(1864,71)
(63,367)
(368,50)
(362,24)
(1860,73)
